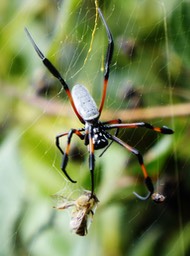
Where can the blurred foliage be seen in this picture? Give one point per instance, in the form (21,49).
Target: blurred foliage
(150,67)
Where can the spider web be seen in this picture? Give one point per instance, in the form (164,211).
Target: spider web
(148,82)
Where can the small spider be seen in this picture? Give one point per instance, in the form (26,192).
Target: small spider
(94,132)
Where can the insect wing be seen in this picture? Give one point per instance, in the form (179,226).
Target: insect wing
(62,202)
(78,223)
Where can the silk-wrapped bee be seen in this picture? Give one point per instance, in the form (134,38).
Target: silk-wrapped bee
(84,208)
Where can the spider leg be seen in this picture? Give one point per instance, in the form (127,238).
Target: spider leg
(115,134)
(108,59)
(148,181)
(163,129)
(91,159)
(54,72)
(57,141)
(115,121)
(65,155)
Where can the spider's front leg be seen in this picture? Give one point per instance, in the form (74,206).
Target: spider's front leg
(66,154)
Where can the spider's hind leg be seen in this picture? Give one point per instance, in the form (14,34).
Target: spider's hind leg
(148,182)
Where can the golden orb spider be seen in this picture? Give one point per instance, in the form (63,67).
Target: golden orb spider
(94,132)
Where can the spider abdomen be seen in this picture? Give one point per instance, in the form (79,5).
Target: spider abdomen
(84,103)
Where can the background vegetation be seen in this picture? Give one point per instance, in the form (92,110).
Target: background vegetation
(149,81)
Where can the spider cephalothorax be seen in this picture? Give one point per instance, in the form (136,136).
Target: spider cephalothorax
(99,138)
(95,133)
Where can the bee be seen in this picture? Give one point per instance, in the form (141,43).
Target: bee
(83,211)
